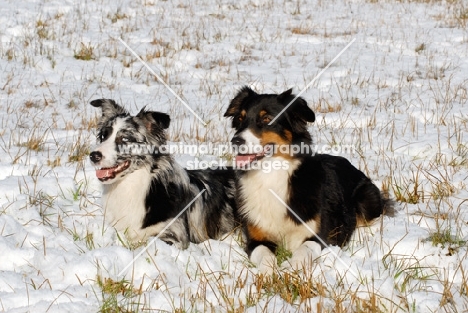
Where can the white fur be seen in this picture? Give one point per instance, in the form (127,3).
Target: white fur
(252,143)
(303,257)
(124,205)
(107,148)
(264,259)
(267,212)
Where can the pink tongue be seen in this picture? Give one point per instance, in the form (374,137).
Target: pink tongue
(103,173)
(245,159)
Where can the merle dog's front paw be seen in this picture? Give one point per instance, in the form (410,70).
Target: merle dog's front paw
(171,239)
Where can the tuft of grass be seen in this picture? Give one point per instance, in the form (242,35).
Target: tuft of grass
(409,274)
(54,163)
(408,190)
(122,287)
(85,53)
(41,29)
(10,55)
(291,287)
(34,143)
(72,104)
(89,124)
(445,238)
(325,106)
(301,30)
(282,254)
(112,293)
(76,194)
(420,48)
(28,104)
(406,194)
(44,203)
(131,245)
(355,101)
(117,16)
(79,151)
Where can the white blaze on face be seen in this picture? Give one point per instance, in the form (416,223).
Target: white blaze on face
(108,148)
(108,169)
(248,152)
(251,141)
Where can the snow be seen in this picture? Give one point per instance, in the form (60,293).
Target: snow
(398,94)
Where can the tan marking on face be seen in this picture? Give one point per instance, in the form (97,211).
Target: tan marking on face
(288,135)
(242,115)
(282,145)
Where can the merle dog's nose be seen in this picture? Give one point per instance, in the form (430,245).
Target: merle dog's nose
(238,141)
(95,156)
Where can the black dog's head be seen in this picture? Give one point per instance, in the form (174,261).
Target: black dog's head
(265,121)
(125,142)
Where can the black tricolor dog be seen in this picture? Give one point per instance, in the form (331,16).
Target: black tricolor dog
(144,191)
(301,200)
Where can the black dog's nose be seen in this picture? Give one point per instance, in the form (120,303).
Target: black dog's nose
(238,141)
(95,156)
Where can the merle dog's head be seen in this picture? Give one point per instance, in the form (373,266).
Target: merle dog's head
(125,142)
(252,114)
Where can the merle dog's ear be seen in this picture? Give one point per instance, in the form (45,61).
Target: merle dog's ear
(234,106)
(299,108)
(109,107)
(154,121)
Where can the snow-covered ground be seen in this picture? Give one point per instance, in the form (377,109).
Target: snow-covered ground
(399,95)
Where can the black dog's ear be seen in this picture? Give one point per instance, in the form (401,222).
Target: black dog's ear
(109,107)
(299,108)
(282,97)
(154,121)
(234,106)
(302,110)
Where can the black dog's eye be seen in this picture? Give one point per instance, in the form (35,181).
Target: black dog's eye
(266,119)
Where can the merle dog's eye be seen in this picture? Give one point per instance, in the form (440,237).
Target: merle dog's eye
(104,133)
(122,139)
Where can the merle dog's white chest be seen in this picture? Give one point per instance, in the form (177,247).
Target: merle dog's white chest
(124,203)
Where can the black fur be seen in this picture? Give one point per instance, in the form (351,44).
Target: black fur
(324,188)
(143,193)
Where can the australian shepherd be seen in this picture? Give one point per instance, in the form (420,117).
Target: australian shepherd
(286,196)
(143,193)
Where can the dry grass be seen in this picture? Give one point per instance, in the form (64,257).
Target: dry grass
(85,52)
(403,109)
